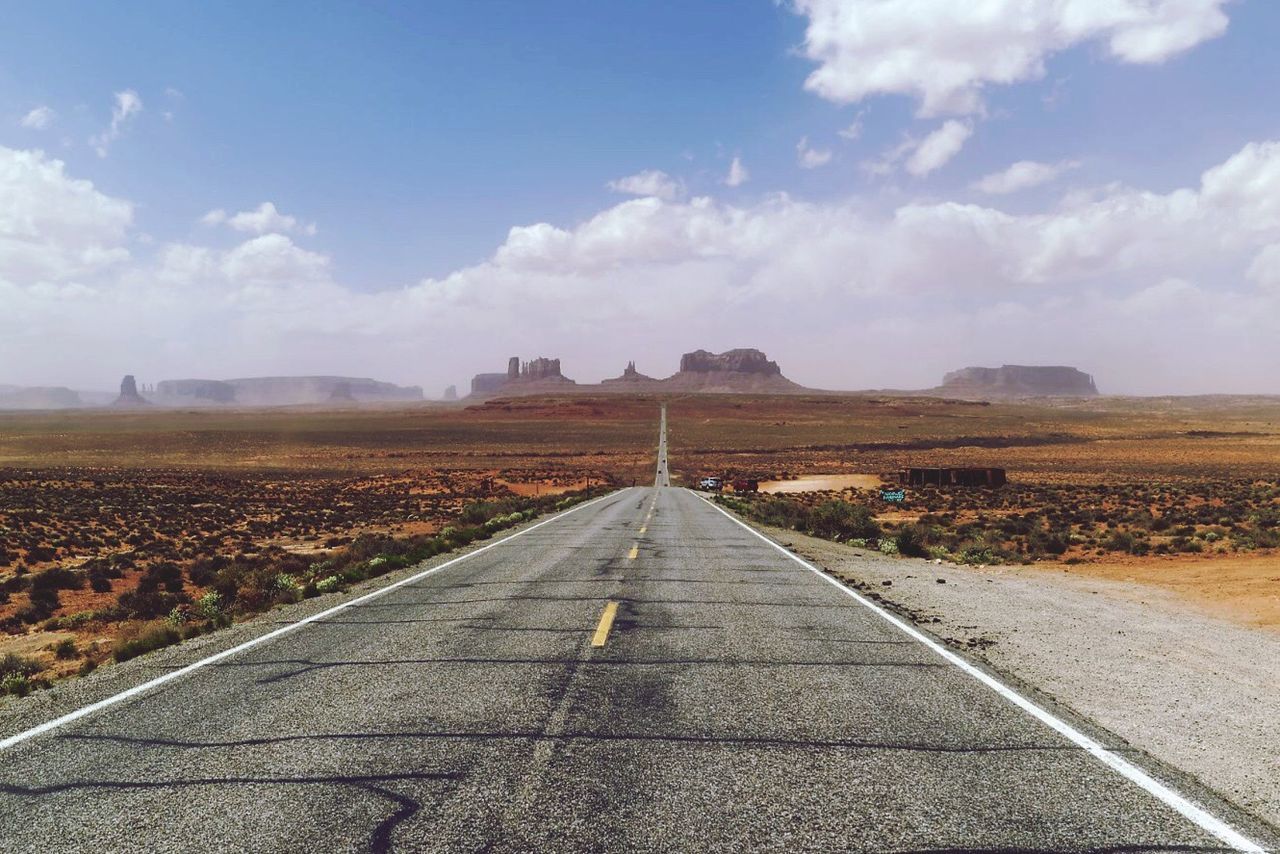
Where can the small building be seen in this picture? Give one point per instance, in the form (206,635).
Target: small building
(946,476)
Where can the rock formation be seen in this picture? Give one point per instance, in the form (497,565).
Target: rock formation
(179,392)
(277,391)
(737,371)
(341,393)
(541,374)
(744,370)
(630,377)
(1018,381)
(129,393)
(482,384)
(451,393)
(541,369)
(743,361)
(282,391)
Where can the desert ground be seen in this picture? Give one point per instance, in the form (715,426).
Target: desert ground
(133,527)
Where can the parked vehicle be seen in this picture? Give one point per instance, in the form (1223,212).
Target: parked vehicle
(712,484)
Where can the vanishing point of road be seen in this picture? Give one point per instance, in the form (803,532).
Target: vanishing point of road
(641,673)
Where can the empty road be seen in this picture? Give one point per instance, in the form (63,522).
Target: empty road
(640,674)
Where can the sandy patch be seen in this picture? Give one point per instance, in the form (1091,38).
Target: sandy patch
(544,488)
(821,483)
(1244,589)
(34,645)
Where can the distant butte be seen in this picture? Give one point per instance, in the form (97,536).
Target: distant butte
(535,376)
(1018,381)
(735,371)
(129,393)
(630,377)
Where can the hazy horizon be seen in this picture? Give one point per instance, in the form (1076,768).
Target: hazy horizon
(871,193)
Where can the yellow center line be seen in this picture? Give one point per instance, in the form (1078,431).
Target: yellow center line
(644,528)
(606,623)
(635,551)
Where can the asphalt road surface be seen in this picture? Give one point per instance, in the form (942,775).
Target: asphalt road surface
(640,674)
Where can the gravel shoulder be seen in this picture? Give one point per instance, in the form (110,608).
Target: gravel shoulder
(1190,689)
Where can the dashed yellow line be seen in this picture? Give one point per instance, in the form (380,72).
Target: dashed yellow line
(635,551)
(644,528)
(606,623)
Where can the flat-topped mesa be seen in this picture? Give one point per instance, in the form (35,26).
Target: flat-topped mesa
(129,393)
(278,391)
(742,361)
(1020,381)
(742,371)
(39,397)
(195,391)
(282,391)
(341,393)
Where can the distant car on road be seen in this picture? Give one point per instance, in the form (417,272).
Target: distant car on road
(710,483)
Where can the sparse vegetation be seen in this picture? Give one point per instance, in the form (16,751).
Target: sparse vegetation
(17,675)
(1024,523)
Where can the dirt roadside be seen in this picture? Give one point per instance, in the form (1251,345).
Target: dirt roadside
(1186,686)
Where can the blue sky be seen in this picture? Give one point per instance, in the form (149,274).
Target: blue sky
(415,137)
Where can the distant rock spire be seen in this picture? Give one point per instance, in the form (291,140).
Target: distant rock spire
(129,393)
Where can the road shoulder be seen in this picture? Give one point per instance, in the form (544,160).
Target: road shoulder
(1193,691)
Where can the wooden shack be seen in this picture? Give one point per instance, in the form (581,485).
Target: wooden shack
(947,476)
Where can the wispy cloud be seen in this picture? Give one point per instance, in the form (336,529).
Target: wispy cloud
(738,174)
(39,118)
(1021,176)
(128,105)
(809,157)
(936,149)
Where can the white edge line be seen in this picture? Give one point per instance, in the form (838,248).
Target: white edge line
(84,711)
(1188,809)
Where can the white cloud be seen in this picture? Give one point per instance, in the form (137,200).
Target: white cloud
(1022,176)
(944,52)
(127,105)
(1265,268)
(738,174)
(263,219)
(53,227)
(39,118)
(1151,291)
(650,182)
(809,157)
(926,155)
(273,259)
(853,131)
(936,149)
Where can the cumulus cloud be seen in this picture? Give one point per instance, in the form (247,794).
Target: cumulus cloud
(738,174)
(54,227)
(127,105)
(944,53)
(1173,291)
(651,182)
(263,219)
(809,157)
(1022,176)
(38,118)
